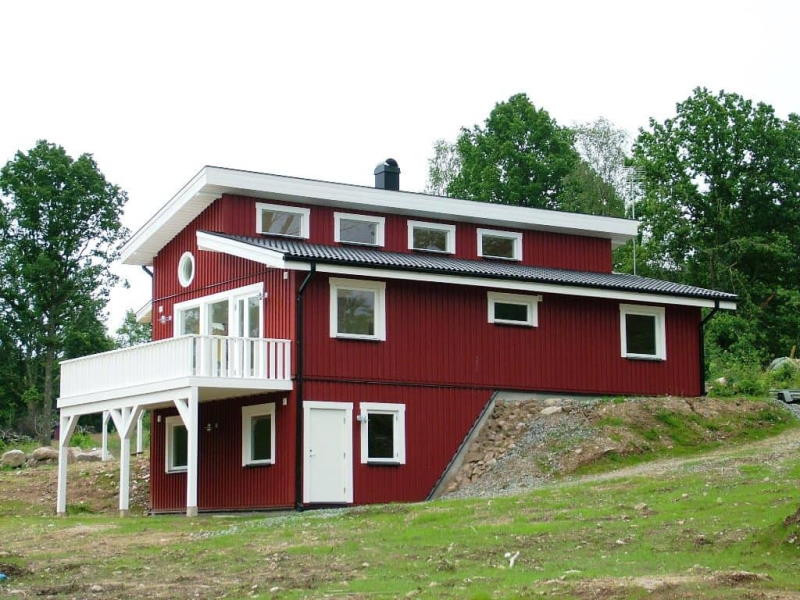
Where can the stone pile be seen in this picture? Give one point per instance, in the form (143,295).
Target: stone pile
(47,455)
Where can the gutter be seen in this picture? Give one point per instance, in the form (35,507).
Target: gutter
(702,340)
(298,459)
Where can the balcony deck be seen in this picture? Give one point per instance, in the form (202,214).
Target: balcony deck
(217,366)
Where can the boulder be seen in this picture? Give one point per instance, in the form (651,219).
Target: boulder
(551,410)
(89,456)
(13,458)
(554,402)
(44,453)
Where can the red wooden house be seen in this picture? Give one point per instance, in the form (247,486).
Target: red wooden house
(319,343)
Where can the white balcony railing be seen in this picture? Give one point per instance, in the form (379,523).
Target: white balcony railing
(185,356)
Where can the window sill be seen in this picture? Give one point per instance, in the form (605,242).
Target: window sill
(644,357)
(357,338)
(513,323)
(359,244)
(283,235)
(178,470)
(431,251)
(506,258)
(255,465)
(382,463)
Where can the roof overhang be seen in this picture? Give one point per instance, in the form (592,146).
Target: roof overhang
(214,243)
(212,182)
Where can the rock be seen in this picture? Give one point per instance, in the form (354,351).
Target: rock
(13,459)
(89,456)
(96,589)
(44,453)
(554,402)
(640,507)
(551,410)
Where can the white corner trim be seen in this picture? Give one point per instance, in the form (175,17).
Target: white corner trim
(377,287)
(380,222)
(530,302)
(303,211)
(660,330)
(449,229)
(399,413)
(248,412)
(516,236)
(169,425)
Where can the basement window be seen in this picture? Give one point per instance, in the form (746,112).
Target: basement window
(642,332)
(277,219)
(500,244)
(258,434)
(383,433)
(176,444)
(365,230)
(432,237)
(357,309)
(513,309)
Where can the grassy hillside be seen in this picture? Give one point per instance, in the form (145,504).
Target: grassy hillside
(682,527)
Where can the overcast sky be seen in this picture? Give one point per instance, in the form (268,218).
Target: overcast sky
(156,90)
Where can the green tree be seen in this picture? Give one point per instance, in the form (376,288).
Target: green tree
(442,168)
(59,233)
(131,332)
(519,156)
(721,209)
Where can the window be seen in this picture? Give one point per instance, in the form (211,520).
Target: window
(499,244)
(218,318)
(276,219)
(358,309)
(258,434)
(186,269)
(642,332)
(237,313)
(176,454)
(189,321)
(358,229)
(383,433)
(513,309)
(432,237)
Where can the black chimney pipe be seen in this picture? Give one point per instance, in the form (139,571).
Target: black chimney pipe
(387,175)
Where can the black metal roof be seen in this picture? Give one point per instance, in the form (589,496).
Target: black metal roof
(491,269)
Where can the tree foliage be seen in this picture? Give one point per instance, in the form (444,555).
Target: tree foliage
(131,332)
(59,232)
(721,209)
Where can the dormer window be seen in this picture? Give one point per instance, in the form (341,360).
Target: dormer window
(277,219)
(431,237)
(358,229)
(500,244)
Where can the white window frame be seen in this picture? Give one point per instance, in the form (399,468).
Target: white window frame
(378,287)
(512,235)
(531,302)
(203,302)
(399,412)
(661,337)
(379,230)
(169,425)
(298,210)
(190,257)
(248,412)
(447,228)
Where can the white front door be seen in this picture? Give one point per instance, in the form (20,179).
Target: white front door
(328,447)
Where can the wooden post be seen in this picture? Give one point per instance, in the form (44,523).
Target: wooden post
(106,417)
(192,439)
(139,433)
(124,466)
(66,427)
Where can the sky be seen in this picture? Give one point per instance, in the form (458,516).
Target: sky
(326,90)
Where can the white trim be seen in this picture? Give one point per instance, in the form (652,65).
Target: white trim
(204,301)
(380,223)
(181,279)
(515,236)
(212,182)
(248,412)
(347,408)
(377,287)
(660,330)
(145,313)
(530,302)
(296,210)
(170,423)
(399,437)
(215,243)
(449,229)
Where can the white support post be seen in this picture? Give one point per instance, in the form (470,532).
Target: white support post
(106,417)
(191,423)
(124,464)
(65,429)
(139,433)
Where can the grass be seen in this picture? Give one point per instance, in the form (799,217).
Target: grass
(575,539)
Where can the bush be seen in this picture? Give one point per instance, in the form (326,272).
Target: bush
(750,379)
(83,440)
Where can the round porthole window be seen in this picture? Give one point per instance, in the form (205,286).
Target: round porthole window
(186,269)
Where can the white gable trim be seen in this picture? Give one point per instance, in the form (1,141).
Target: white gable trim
(211,182)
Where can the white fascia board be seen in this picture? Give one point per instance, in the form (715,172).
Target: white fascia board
(215,243)
(145,313)
(212,182)
(254,253)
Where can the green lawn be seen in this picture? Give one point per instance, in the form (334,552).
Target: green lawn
(706,518)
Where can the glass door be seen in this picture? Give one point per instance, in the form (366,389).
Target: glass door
(248,352)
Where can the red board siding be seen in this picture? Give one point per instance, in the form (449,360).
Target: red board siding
(223,482)
(437,419)
(439,334)
(539,248)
